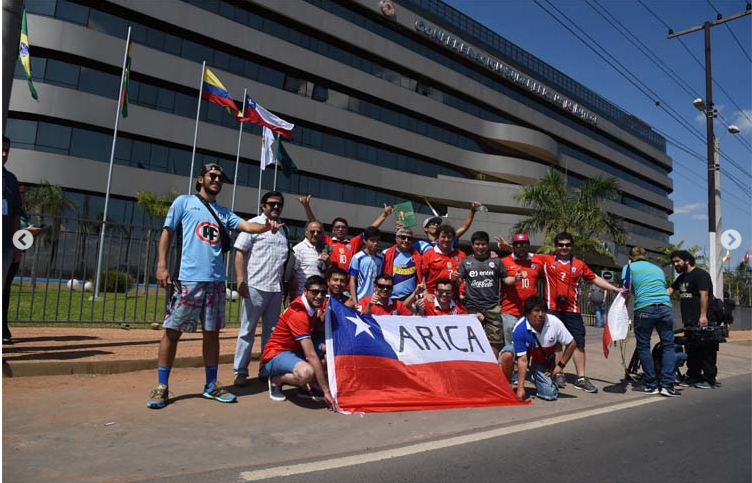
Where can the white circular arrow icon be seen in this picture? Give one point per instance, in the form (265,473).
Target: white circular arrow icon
(731,239)
(23,239)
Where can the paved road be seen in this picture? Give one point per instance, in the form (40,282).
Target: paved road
(703,436)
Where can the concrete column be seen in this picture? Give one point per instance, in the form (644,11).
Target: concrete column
(11,35)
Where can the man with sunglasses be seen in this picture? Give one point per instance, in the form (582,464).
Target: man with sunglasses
(342,247)
(404,264)
(259,271)
(290,356)
(382,302)
(199,291)
(563,274)
(442,303)
(311,255)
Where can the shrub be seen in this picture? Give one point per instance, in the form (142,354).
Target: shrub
(116,280)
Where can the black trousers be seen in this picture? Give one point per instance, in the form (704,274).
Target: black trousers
(12,271)
(702,360)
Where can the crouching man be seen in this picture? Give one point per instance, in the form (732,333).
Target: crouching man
(290,356)
(535,338)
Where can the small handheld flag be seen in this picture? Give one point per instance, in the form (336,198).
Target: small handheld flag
(617,320)
(24,57)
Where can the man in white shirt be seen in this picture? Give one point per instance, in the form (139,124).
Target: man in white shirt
(259,270)
(311,255)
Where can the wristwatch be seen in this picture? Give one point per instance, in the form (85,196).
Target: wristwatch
(561,364)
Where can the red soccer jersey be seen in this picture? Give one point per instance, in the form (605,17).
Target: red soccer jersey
(343,250)
(433,308)
(295,324)
(396,307)
(437,264)
(563,279)
(513,301)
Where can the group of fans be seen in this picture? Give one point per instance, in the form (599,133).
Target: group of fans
(538,334)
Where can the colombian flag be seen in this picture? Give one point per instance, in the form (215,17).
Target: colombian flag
(213,91)
(24,57)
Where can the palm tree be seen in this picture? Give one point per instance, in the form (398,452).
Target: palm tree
(154,206)
(49,199)
(664,259)
(578,211)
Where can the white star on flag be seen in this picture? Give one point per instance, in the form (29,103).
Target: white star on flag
(360,326)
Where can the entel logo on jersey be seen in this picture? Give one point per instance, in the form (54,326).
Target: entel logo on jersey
(208,232)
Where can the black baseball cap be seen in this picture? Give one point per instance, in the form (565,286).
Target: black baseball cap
(212,167)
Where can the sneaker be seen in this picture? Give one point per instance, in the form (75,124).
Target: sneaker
(560,381)
(646,389)
(314,394)
(716,384)
(514,377)
(241,380)
(7,340)
(545,398)
(219,393)
(159,397)
(275,392)
(669,392)
(689,381)
(703,385)
(584,384)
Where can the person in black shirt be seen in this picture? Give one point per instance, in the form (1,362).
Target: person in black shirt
(695,295)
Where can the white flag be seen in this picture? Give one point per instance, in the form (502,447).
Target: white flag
(267,152)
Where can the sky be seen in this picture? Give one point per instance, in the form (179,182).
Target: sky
(528,25)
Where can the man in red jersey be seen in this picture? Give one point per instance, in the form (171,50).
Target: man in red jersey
(529,267)
(290,356)
(382,303)
(442,303)
(442,260)
(563,274)
(342,247)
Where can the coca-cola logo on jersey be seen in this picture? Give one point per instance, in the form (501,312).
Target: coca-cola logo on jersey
(482,283)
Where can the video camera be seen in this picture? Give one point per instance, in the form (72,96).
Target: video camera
(698,335)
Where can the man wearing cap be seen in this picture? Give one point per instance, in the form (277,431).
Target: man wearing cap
(199,291)
(404,263)
(522,262)
(342,248)
(432,224)
(652,310)
(259,272)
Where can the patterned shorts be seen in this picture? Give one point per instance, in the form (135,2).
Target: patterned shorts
(192,302)
(492,323)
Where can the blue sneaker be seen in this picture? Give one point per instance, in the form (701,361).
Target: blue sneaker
(703,385)
(646,389)
(514,378)
(219,393)
(669,392)
(159,398)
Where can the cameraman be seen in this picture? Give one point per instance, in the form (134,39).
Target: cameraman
(695,291)
(563,275)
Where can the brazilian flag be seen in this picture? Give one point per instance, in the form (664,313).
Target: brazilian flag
(23,55)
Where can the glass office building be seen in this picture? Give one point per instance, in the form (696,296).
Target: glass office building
(393,101)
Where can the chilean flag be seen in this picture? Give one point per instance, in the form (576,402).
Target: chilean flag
(256,114)
(617,320)
(397,363)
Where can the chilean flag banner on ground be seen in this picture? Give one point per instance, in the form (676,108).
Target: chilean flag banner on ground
(256,114)
(397,363)
(617,320)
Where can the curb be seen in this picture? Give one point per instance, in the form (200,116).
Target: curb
(66,368)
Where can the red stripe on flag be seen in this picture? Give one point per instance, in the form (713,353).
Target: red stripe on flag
(607,339)
(252,116)
(375,384)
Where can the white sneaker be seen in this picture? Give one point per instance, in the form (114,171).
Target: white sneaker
(275,392)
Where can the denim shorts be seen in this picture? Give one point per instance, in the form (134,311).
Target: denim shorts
(574,324)
(282,363)
(194,302)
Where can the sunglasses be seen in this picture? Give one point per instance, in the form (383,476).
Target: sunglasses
(315,231)
(405,237)
(214,176)
(382,286)
(564,245)
(275,204)
(315,292)
(521,245)
(444,292)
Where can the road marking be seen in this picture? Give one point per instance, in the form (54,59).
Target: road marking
(330,464)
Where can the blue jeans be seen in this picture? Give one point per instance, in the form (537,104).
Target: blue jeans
(266,305)
(544,385)
(600,314)
(660,318)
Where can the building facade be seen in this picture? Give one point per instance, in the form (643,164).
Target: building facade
(392,101)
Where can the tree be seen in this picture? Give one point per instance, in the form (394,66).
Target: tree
(154,206)
(578,211)
(47,199)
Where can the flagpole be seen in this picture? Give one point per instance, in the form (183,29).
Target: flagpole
(195,131)
(237,164)
(261,170)
(276,162)
(109,171)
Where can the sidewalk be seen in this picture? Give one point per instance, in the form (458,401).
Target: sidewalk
(96,427)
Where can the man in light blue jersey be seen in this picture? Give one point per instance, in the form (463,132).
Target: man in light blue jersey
(198,294)
(366,265)
(652,310)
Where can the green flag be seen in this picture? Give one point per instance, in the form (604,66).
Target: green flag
(23,55)
(126,76)
(284,159)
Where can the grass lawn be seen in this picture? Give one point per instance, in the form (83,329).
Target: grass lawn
(55,303)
